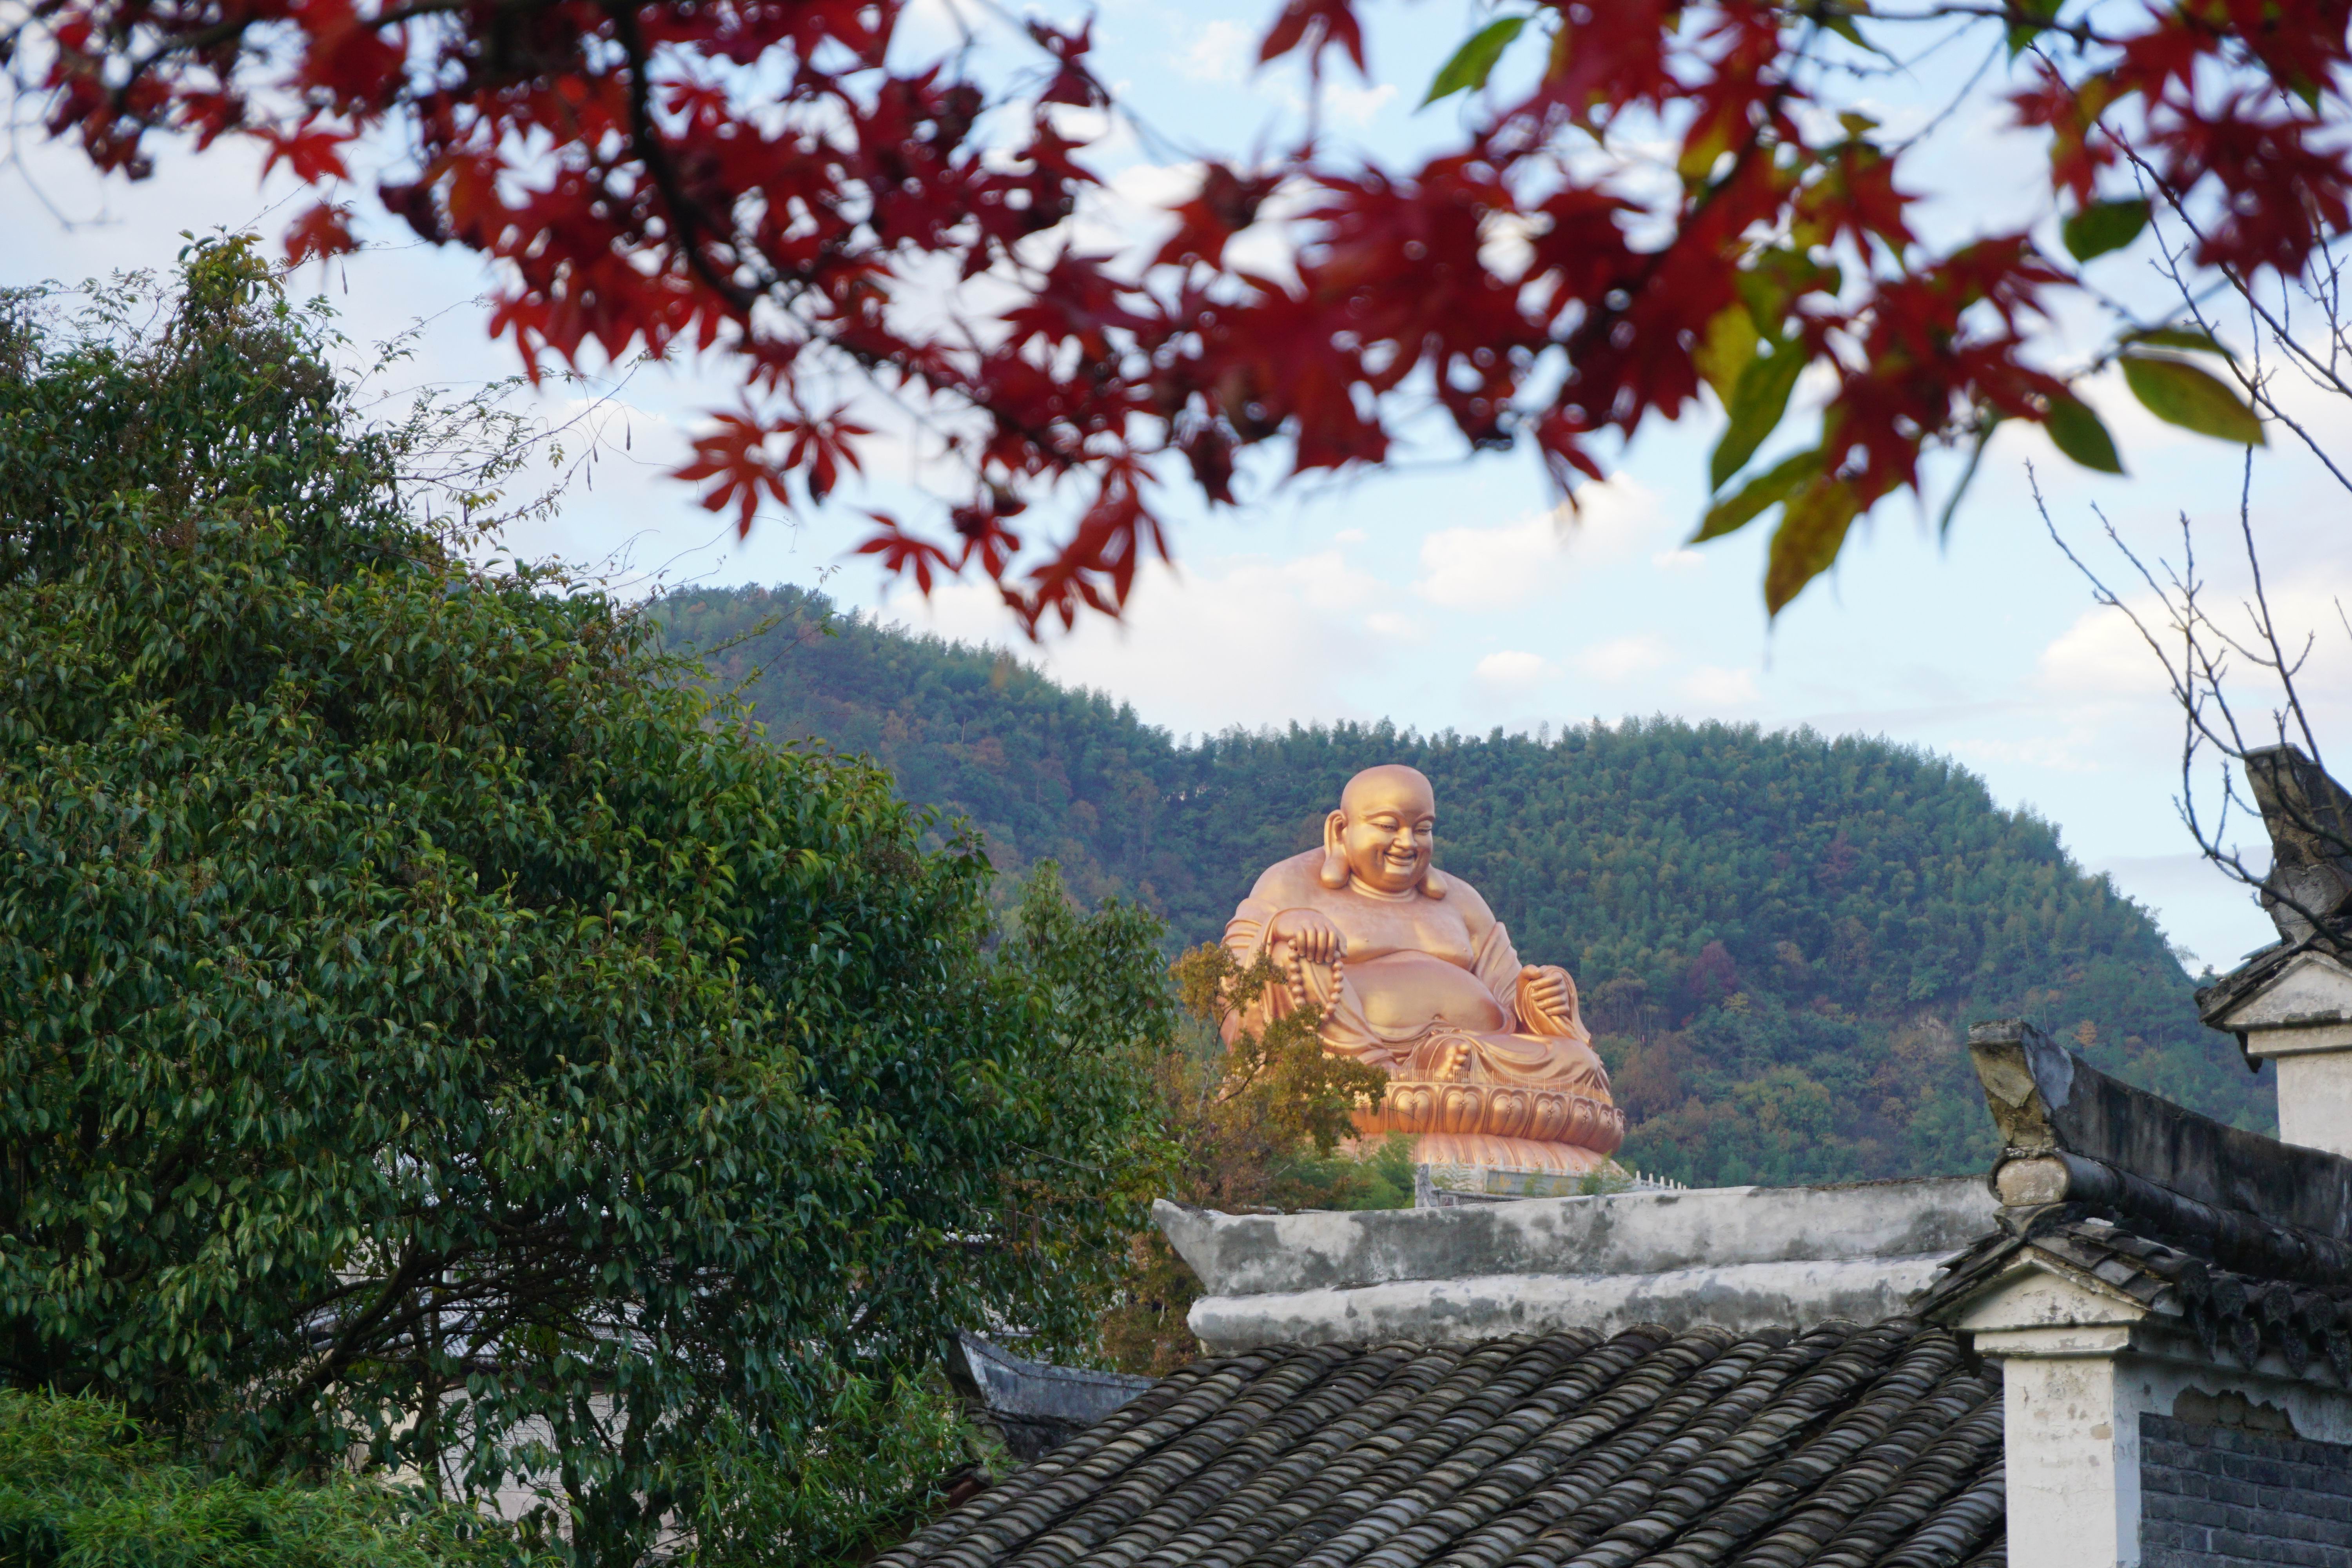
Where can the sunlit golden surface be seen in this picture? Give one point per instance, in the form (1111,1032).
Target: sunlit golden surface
(1489,1063)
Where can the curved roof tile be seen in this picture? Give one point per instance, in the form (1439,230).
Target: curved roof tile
(1838,1446)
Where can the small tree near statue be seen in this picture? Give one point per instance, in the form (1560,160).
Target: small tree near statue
(1256,1116)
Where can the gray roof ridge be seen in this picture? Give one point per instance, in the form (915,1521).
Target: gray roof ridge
(2062,1122)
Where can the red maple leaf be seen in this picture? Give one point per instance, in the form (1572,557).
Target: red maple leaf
(735,460)
(1316,26)
(323,231)
(903,555)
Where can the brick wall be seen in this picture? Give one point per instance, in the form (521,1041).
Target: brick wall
(2216,1497)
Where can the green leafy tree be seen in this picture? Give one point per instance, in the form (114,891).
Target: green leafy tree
(434,1035)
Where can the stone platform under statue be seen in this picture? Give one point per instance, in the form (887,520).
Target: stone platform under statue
(1490,1066)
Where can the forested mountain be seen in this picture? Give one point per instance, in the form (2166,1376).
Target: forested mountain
(1780,938)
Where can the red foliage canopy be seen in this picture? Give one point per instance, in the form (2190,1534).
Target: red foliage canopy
(767,180)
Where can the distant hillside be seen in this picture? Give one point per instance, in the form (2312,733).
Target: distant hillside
(1780,937)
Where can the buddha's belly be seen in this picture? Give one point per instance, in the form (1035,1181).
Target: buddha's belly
(1409,991)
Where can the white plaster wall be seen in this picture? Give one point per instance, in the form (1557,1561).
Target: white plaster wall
(2315,1099)
(2071,1449)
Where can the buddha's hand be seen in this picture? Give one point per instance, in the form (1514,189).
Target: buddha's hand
(1548,1001)
(1308,933)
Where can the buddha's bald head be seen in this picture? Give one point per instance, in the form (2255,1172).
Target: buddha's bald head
(1390,785)
(1383,835)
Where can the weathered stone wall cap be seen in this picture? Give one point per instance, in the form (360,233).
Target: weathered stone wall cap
(1623,1233)
(1745,1297)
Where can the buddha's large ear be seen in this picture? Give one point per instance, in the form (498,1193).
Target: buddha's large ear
(1433,883)
(1333,874)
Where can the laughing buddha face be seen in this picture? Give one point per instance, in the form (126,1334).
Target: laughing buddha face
(1386,827)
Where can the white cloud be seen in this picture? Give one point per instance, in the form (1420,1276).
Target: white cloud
(1359,105)
(1220,53)
(1242,640)
(1512,667)
(1488,568)
(1619,519)
(1621,658)
(1496,568)
(1349,536)
(1128,212)
(2061,753)
(1678,560)
(1713,686)
(2102,656)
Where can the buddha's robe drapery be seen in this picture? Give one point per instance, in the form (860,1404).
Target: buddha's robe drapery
(1503,1056)
(1502,1098)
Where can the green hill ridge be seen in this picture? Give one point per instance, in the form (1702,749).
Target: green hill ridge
(1780,937)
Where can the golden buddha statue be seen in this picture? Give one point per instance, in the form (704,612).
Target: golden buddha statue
(1489,1063)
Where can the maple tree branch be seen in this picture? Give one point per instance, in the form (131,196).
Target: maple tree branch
(231,29)
(2080,31)
(830,224)
(1951,104)
(1597,326)
(686,215)
(226,30)
(2257,387)
(417,10)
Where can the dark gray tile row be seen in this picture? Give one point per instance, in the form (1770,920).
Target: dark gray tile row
(1840,1447)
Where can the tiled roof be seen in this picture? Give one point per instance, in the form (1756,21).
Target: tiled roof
(2258,967)
(1839,1446)
(2245,1312)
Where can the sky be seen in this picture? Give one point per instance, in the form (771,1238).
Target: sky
(1449,593)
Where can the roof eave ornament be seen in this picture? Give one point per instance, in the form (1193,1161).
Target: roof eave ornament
(2308,816)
